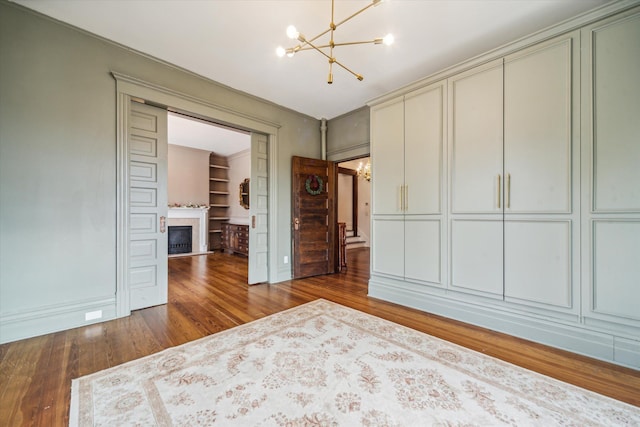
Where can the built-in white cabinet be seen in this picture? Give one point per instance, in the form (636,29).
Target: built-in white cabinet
(476,140)
(537,198)
(407,141)
(476,176)
(387,145)
(541,175)
(512,215)
(611,180)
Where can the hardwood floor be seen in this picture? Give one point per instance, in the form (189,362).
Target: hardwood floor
(208,294)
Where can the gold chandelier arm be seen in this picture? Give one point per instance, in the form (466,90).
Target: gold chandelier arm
(324,46)
(317,49)
(356,75)
(373,3)
(332,60)
(308,44)
(375,41)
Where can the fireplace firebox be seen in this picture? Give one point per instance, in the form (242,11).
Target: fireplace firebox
(179,239)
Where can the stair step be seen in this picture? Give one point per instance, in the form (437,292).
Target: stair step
(355,242)
(355,245)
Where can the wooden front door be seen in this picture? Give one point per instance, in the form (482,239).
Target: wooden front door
(313,217)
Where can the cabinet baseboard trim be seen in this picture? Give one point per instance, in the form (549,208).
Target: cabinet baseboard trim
(45,320)
(575,339)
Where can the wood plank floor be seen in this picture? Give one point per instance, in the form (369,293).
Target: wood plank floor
(208,294)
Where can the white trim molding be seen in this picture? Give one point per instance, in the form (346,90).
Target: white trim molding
(128,88)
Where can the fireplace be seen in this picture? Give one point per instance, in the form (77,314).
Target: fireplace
(197,218)
(179,239)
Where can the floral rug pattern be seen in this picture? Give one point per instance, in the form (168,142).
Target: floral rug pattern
(322,364)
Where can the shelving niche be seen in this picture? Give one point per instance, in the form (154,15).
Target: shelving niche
(218,198)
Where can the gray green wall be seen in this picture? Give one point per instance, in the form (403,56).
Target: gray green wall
(58,163)
(348,135)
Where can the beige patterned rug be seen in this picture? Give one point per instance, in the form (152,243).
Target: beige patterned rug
(322,364)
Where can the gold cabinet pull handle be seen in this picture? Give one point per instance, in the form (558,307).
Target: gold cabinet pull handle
(499,191)
(508,191)
(406,198)
(163,224)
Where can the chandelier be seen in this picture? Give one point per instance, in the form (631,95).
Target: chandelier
(309,44)
(364,172)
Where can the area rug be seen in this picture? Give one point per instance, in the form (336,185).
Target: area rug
(322,364)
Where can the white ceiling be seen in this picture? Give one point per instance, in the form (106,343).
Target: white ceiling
(233,42)
(194,133)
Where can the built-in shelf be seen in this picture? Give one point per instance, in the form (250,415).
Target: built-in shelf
(218,198)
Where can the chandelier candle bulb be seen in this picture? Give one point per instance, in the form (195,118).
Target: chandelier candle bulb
(292,33)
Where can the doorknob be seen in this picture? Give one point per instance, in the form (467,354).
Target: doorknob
(296,224)
(163,224)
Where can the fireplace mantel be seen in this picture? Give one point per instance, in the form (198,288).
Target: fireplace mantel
(199,214)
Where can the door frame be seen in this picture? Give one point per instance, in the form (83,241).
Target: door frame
(354,195)
(128,87)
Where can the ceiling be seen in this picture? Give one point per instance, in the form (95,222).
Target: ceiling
(233,42)
(195,133)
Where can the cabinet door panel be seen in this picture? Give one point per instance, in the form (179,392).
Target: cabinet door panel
(422,250)
(387,156)
(537,261)
(388,247)
(537,129)
(616,109)
(476,255)
(424,133)
(616,268)
(476,140)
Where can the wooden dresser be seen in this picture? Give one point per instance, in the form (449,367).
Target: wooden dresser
(235,238)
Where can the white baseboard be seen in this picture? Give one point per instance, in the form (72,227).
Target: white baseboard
(575,338)
(54,318)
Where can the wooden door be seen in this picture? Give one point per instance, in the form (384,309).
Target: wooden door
(147,251)
(259,210)
(313,216)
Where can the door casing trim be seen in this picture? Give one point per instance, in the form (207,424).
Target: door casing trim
(128,88)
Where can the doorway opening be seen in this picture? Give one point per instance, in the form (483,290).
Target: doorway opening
(262,260)
(207,164)
(354,203)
